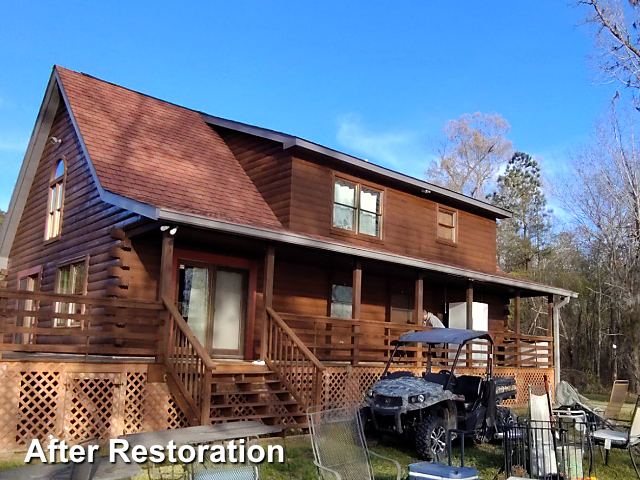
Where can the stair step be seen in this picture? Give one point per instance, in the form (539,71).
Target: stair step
(250,392)
(259,417)
(254,404)
(250,381)
(222,368)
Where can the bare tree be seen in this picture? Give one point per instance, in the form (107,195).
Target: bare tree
(604,196)
(616,27)
(474,148)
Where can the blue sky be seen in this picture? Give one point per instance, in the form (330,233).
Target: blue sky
(374,79)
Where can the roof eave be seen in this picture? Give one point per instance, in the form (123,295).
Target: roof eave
(293,238)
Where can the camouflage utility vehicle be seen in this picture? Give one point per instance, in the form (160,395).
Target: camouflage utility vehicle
(425,407)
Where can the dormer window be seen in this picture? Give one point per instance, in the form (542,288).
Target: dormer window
(357,208)
(53,225)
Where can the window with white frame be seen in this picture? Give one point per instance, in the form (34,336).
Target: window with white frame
(71,280)
(53,225)
(357,208)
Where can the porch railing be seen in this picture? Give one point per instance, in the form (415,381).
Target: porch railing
(366,341)
(293,362)
(188,364)
(34,322)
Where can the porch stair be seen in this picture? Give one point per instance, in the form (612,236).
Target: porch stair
(274,392)
(245,391)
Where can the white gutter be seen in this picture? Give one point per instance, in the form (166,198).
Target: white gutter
(556,338)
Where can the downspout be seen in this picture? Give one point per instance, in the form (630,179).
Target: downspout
(556,338)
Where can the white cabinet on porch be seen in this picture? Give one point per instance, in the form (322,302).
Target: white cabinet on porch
(479,321)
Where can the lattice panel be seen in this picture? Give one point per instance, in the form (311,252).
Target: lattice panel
(351,383)
(150,406)
(72,402)
(92,402)
(39,398)
(9,407)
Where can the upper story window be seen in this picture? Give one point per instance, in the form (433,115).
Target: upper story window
(447,229)
(357,208)
(53,226)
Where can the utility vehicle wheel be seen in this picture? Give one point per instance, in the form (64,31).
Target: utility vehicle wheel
(481,436)
(505,418)
(367,423)
(431,439)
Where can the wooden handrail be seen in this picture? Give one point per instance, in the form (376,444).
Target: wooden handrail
(82,299)
(77,324)
(295,339)
(357,340)
(182,323)
(189,365)
(295,365)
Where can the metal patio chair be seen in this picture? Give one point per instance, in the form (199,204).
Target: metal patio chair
(628,439)
(616,401)
(339,447)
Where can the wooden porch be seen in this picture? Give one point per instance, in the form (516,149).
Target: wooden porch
(303,357)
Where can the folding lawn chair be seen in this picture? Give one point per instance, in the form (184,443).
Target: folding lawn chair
(616,401)
(544,461)
(628,439)
(339,448)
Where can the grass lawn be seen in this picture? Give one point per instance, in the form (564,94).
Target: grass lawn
(487,459)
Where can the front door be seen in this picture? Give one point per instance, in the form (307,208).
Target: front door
(213,301)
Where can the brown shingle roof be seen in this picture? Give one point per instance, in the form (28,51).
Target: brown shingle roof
(161,154)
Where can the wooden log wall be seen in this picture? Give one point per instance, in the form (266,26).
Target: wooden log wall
(299,190)
(268,166)
(409,221)
(305,289)
(87,222)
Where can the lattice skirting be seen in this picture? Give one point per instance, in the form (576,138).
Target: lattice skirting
(351,383)
(78,401)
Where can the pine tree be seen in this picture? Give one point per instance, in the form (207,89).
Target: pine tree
(522,239)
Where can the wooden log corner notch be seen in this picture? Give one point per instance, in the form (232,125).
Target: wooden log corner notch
(118,271)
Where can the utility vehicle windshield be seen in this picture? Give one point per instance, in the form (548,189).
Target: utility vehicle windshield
(440,358)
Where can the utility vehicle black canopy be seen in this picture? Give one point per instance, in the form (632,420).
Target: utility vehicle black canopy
(444,335)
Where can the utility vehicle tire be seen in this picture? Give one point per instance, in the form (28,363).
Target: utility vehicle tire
(431,439)
(505,417)
(482,435)
(367,423)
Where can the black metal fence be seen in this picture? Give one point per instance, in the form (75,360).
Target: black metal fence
(561,449)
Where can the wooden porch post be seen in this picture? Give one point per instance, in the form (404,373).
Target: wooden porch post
(267,294)
(356,309)
(468,355)
(550,332)
(418,299)
(470,305)
(165,290)
(516,312)
(166,264)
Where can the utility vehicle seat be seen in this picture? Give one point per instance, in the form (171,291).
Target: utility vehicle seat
(440,378)
(469,386)
(399,374)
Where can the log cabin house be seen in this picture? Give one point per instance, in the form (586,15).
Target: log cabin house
(167,267)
